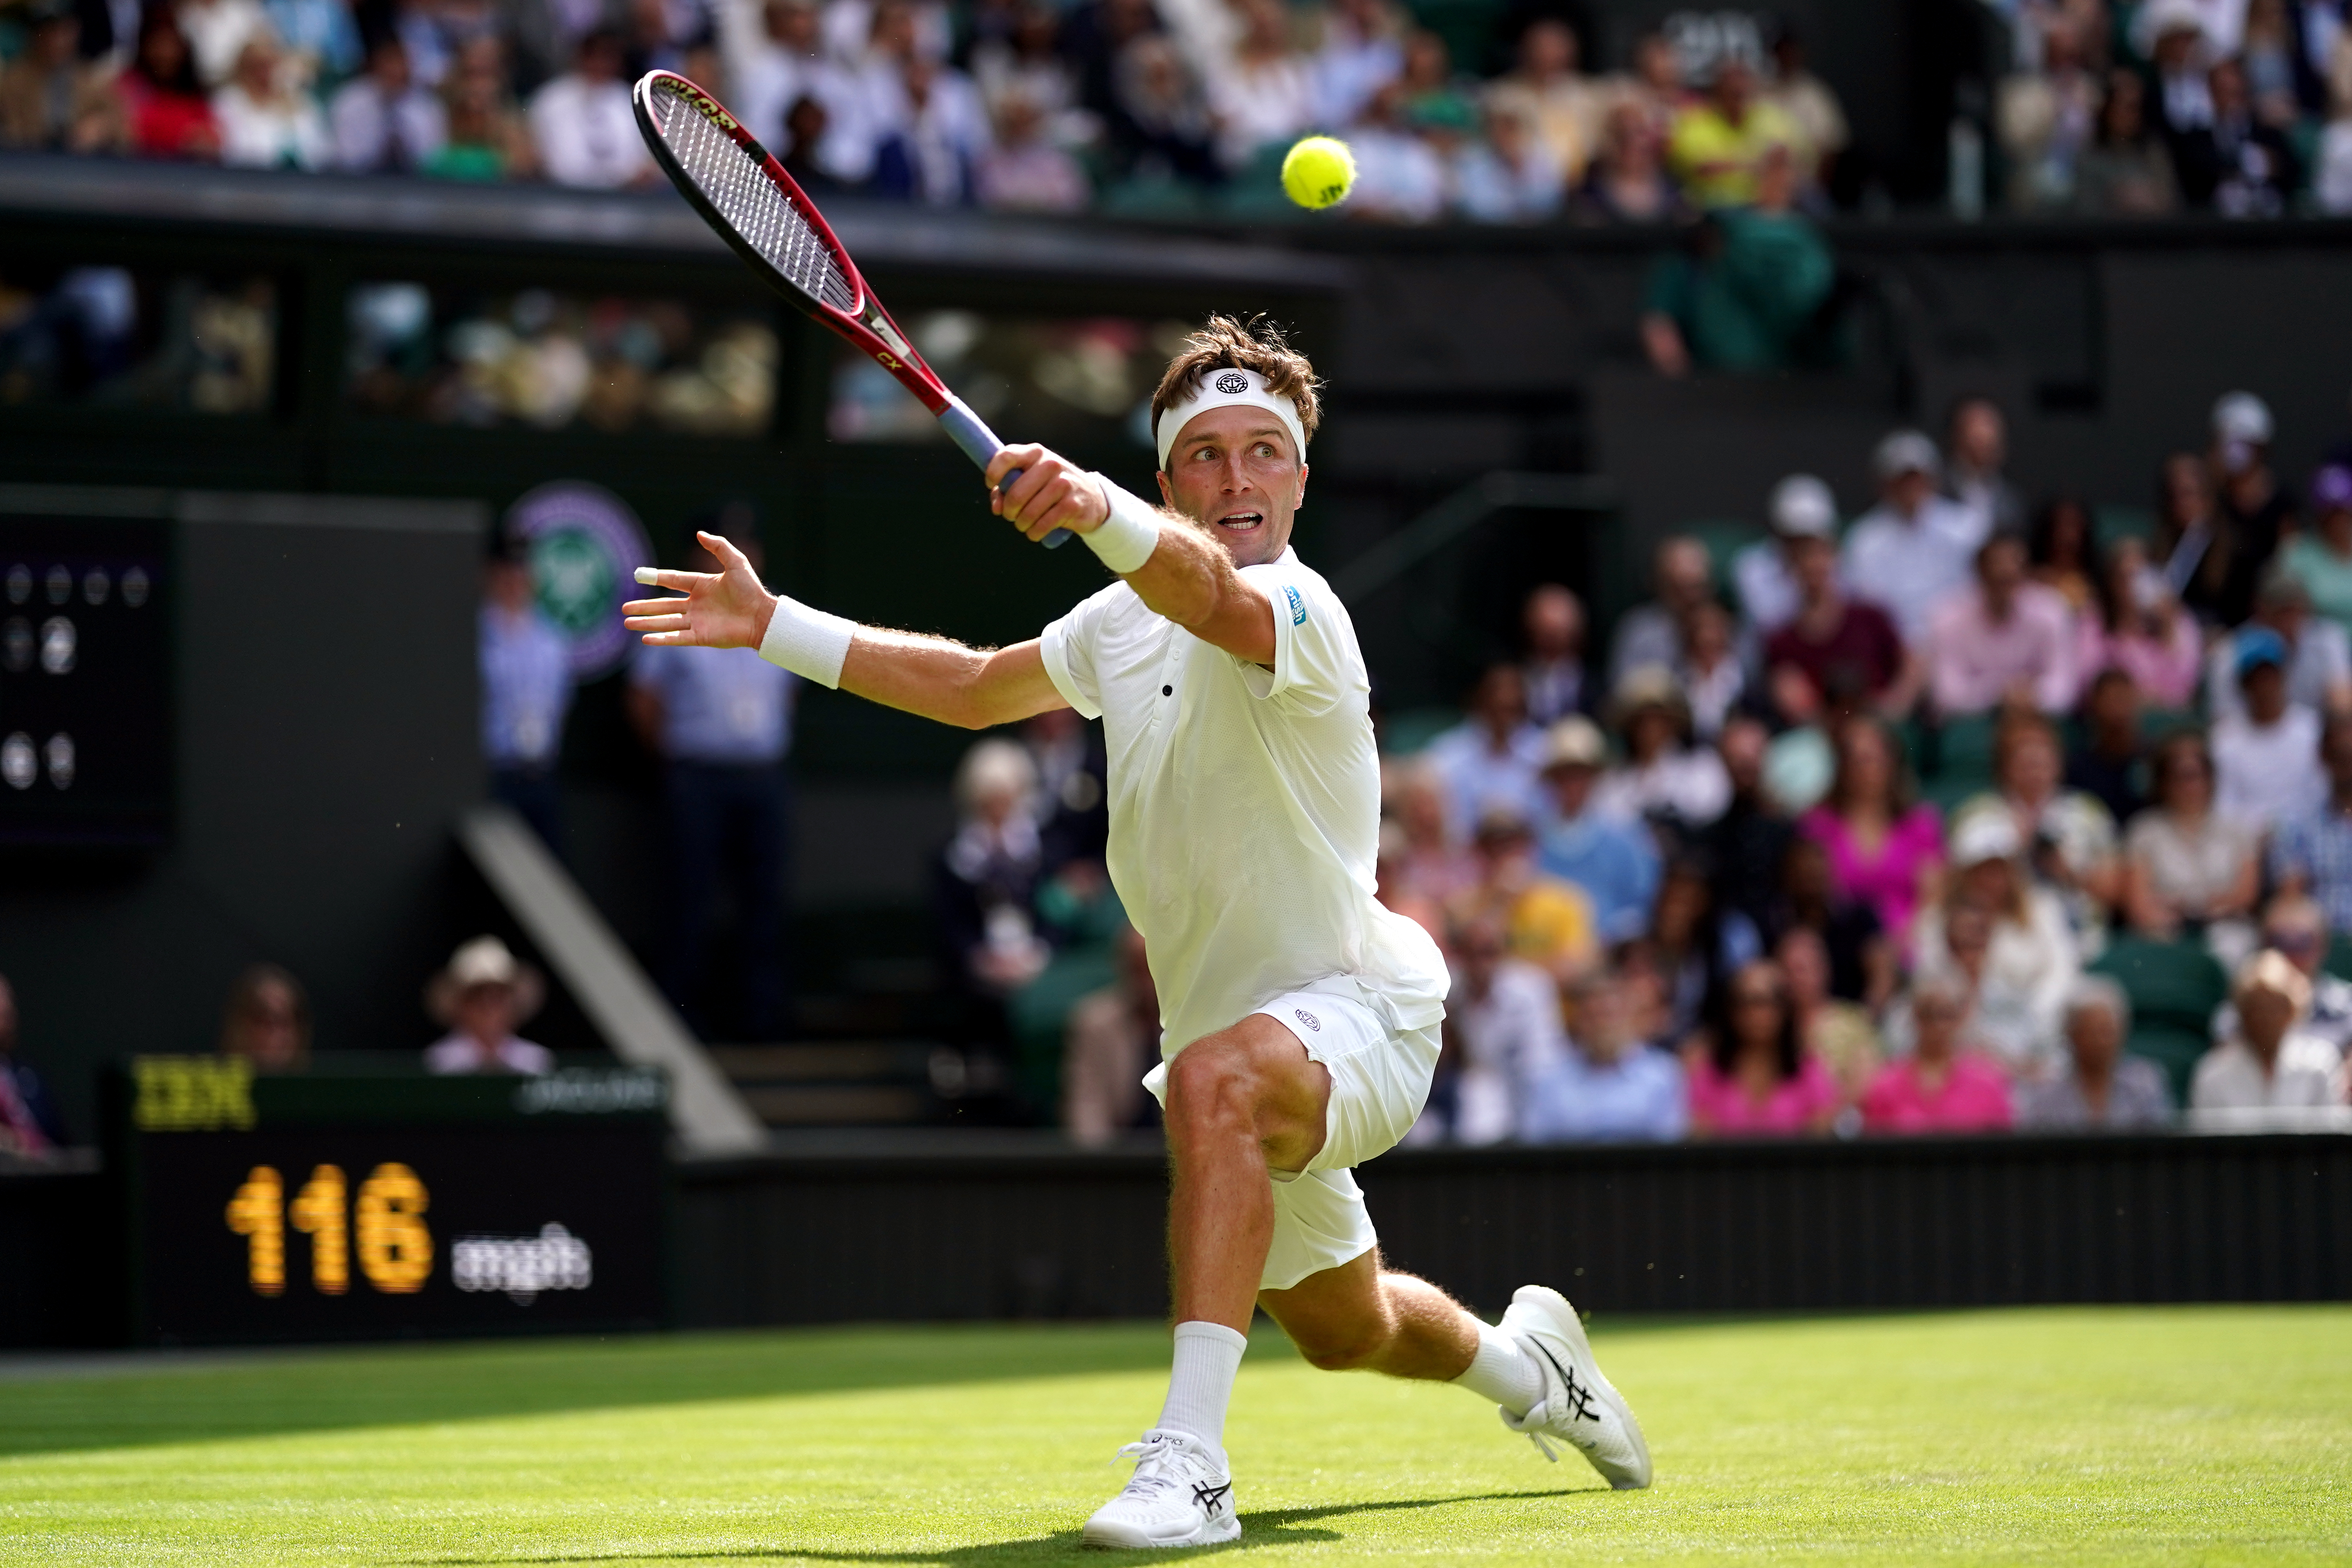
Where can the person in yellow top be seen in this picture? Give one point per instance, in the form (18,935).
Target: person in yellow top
(1546,921)
(1719,144)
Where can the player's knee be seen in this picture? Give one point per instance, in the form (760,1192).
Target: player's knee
(1344,1347)
(1209,1087)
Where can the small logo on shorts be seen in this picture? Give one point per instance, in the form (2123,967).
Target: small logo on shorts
(1232,383)
(1308,1018)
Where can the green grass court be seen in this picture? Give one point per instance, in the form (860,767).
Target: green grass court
(2172,1436)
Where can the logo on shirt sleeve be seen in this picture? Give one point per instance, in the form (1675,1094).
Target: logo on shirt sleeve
(1298,607)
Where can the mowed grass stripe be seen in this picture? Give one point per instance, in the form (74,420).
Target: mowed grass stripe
(2204,1435)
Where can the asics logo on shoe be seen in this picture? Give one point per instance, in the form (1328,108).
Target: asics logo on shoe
(1577,1398)
(1211,1499)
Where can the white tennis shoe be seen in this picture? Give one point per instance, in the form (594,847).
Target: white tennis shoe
(1179,1494)
(1578,1407)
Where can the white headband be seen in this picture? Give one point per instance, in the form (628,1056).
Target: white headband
(1228,388)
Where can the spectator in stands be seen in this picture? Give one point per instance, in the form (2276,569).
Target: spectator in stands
(526,669)
(2295,926)
(1563,106)
(1746,290)
(2311,852)
(2110,764)
(1612,859)
(1654,85)
(2070,835)
(385,123)
(1165,112)
(264,122)
(2199,557)
(1492,757)
(1552,673)
(2171,35)
(2007,640)
(1627,180)
(1111,1039)
(581,124)
(722,724)
(2006,936)
(484,996)
(1024,171)
(2188,871)
(2318,652)
(1749,1074)
(51,98)
(1834,646)
(1694,942)
(1611,1086)
(1650,634)
(1912,549)
(933,153)
(1861,961)
(1400,177)
(487,138)
(1811,105)
(1663,777)
(164,102)
(1836,1033)
(1799,511)
(30,1126)
(1362,50)
(785,64)
(2045,119)
(217,32)
(2267,1066)
(1503,1014)
(2331,180)
(2064,549)
(2268,756)
(1939,1087)
(1432,860)
(1510,176)
(984,884)
(1073,811)
(319,40)
(1974,474)
(1545,920)
(1264,96)
(1720,144)
(2321,560)
(2258,508)
(1749,842)
(2127,170)
(2102,1089)
(2234,163)
(1713,677)
(1026,63)
(2137,628)
(266,1020)
(1884,849)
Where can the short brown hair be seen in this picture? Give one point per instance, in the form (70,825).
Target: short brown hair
(1226,342)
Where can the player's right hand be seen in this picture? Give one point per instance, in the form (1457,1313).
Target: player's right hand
(1052,493)
(727,608)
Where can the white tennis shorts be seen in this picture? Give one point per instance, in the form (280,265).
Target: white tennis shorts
(1380,1080)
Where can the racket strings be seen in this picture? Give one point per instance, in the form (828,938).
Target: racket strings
(739,188)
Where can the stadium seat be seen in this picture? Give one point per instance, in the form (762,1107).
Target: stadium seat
(2175,987)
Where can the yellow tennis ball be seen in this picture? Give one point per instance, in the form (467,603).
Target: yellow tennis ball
(1318,171)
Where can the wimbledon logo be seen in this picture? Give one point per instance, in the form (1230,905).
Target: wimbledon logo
(585,547)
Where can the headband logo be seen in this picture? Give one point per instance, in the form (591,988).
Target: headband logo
(1232,383)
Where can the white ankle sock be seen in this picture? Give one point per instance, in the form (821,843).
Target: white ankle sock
(1207,1357)
(1503,1373)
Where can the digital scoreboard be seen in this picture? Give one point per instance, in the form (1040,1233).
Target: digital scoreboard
(85,680)
(336,1206)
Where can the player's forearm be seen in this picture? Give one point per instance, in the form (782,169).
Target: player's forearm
(936,679)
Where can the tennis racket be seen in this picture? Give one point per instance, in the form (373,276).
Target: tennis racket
(744,192)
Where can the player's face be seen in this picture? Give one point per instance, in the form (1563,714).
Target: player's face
(1236,472)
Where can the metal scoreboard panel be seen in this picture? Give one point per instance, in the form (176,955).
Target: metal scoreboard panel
(331,1208)
(85,680)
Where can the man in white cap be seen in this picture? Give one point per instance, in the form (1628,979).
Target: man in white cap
(1915,547)
(2257,507)
(1764,573)
(1299,1018)
(484,996)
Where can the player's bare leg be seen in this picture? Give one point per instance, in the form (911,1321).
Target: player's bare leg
(1362,1317)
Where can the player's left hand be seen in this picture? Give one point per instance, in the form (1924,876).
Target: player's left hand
(1052,493)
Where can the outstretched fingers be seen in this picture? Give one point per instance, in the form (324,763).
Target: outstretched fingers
(681,581)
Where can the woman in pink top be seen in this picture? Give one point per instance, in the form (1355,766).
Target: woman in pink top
(2138,628)
(1884,850)
(1749,1074)
(1939,1088)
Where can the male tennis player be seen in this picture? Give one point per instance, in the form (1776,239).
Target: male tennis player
(1300,1017)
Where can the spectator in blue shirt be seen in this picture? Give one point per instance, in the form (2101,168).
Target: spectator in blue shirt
(525,692)
(1614,860)
(722,723)
(2312,854)
(1612,1087)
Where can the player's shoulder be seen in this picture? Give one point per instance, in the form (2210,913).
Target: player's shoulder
(1297,590)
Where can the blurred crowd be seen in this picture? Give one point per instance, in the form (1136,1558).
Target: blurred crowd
(1960,817)
(2240,106)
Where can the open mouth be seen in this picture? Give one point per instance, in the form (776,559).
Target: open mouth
(1241,522)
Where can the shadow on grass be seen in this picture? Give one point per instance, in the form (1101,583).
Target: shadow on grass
(1264,1527)
(140,1405)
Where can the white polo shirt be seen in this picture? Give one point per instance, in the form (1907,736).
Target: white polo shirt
(1245,807)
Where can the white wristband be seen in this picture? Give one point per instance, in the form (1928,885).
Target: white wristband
(810,643)
(1128,535)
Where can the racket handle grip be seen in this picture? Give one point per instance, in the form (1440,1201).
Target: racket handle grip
(980,444)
